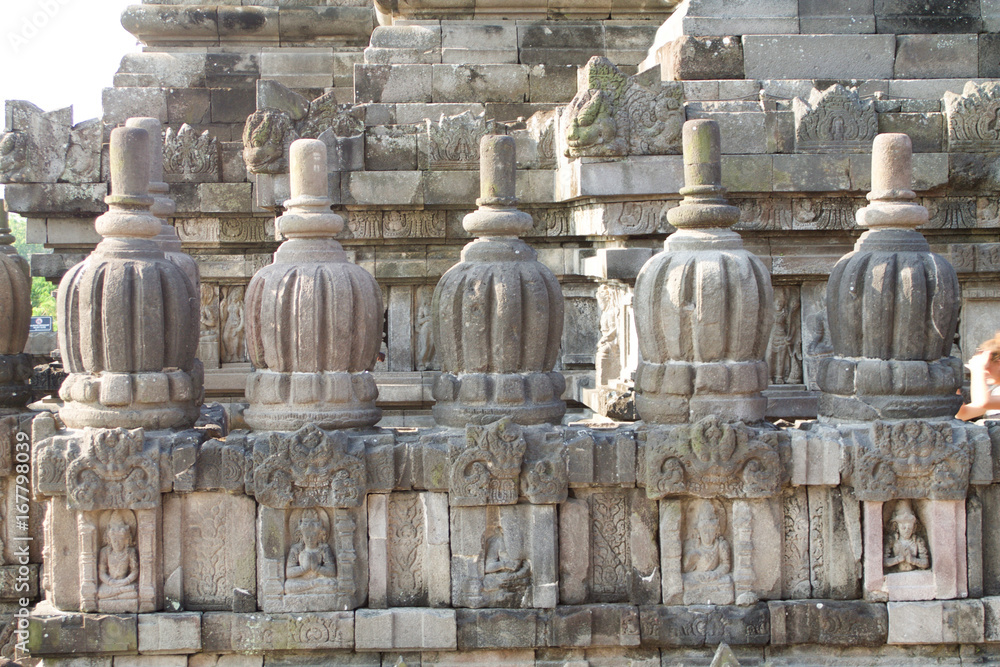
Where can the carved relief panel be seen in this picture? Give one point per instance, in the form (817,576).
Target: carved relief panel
(716,551)
(313,551)
(784,350)
(408,548)
(232,337)
(103,521)
(205,559)
(607,547)
(208,343)
(504,556)
(312,559)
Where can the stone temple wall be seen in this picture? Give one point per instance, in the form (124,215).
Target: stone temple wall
(704,217)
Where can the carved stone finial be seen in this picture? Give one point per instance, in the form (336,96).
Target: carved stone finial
(128,318)
(499,313)
(704,308)
(15,315)
(313,319)
(892,307)
(163,206)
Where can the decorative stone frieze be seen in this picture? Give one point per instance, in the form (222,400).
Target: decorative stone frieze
(313,319)
(834,120)
(892,309)
(614,115)
(704,307)
(711,458)
(912,459)
(189,157)
(128,317)
(972,125)
(499,313)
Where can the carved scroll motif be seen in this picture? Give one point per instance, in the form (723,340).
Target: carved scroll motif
(485,469)
(711,458)
(311,468)
(911,459)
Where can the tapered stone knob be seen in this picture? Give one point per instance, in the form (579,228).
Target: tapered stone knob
(163,206)
(314,319)
(892,307)
(128,317)
(499,313)
(704,307)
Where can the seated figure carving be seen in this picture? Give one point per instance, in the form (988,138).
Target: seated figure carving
(707,559)
(505,579)
(311,567)
(118,562)
(905,549)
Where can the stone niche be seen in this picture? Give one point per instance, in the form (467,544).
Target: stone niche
(504,556)
(312,558)
(721,515)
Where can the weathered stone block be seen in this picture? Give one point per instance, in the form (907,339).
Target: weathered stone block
(474,42)
(913,16)
(939,622)
(56,198)
(687,57)
(549,83)
(705,625)
(233,105)
(828,622)
(819,56)
(150,661)
(811,173)
(256,633)
(189,105)
(498,628)
(120,104)
(230,70)
(382,187)
(167,70)
(401,629)
(224,197)
(56,633)
(926,130)
(824,17)
(169,633)
(298,68)
(480,83)
(392,83)
(936,56)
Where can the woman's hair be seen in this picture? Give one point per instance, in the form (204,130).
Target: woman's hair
(993,347)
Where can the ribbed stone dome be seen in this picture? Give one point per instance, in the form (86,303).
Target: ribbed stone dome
(498,313)
(15,316)
(704,307)
(128,317)
(892,307)
(313,319)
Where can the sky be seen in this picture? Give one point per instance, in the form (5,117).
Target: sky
(57,53)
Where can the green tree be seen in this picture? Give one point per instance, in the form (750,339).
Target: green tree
(42,302)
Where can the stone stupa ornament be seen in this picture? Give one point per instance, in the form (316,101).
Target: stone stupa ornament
(704,306)
(498,313)
(128,317)
(15,316)
(892,307)
(314,319)
(163,206)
